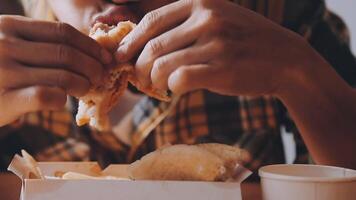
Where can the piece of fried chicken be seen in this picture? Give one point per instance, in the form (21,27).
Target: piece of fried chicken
(96,104)
(205,162)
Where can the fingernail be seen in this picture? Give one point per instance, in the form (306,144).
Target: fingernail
(106,56)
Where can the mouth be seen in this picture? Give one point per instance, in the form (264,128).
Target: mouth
(117,13)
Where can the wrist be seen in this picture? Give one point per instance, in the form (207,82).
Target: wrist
(312,79)
(304,75)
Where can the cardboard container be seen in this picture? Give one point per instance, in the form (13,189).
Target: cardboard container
(59,189)
(307,182)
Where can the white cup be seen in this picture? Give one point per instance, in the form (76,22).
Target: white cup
(307,182)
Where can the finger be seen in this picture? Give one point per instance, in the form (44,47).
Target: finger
(175,39)
(153,24)
(165,65)
(55,32)
(57,55)
(192,77)
(19,76)
(31,99)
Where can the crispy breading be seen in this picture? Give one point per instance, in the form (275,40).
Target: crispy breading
(179,162)
(96,104)
(202,162)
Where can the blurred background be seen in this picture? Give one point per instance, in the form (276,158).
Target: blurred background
(346,10)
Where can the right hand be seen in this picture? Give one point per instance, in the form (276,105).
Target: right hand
(43,62)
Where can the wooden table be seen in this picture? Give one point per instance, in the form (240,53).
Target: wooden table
(10,187)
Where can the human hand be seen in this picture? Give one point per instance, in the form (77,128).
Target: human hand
(214,45)
(42,62)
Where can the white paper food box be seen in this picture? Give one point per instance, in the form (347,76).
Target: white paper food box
(59,189)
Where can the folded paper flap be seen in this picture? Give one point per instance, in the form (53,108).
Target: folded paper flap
(25,167)
(36,172)
(18,168)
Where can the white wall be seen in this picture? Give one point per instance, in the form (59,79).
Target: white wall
(346,9)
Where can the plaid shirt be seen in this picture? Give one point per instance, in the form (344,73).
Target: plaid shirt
(252,123)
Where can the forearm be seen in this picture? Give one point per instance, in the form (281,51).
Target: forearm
(10,7)
(324,109)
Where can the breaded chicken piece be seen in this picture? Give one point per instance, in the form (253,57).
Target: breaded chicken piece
(232,156)
(96,104)
(179,162)
(201,162)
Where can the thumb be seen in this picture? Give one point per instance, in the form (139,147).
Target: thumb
(191,77)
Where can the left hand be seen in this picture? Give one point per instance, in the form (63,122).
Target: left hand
(214,45)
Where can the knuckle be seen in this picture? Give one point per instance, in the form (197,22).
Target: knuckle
(5,21)
(63,79)
(154,47)
(188,2)
(207,21)
(160,63)
(64,54)
(40,96)
(151,17)
(150,20)
(158,68)
(7,44)
(64,31)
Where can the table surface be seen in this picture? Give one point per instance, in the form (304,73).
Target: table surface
(10,187)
